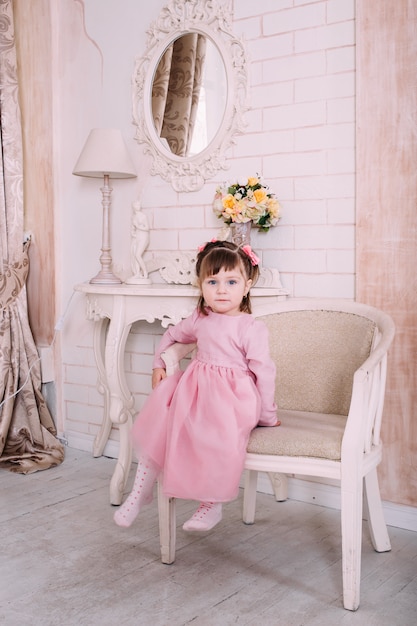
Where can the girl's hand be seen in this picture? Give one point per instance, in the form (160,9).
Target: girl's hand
(157,375)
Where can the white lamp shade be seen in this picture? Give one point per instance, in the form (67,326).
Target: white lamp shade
(105,153)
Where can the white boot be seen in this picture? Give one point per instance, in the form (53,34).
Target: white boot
(206,517)
(141,494)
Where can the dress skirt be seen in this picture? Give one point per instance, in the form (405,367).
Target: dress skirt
(195,427)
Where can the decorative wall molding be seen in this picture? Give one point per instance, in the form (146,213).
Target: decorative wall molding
(175,267)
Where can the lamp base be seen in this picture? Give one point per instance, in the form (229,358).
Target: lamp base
(105,278)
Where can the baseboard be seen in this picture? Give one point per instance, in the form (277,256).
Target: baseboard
(81,441)
(398,515)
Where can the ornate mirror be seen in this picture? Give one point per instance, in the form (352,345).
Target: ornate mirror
(190,92)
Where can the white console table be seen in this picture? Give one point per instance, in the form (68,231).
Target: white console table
(114,308)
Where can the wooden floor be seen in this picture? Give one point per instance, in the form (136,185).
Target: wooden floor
(64,562)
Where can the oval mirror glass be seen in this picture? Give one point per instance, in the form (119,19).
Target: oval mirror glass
(189,94)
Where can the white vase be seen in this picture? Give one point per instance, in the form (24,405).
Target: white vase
(240,233)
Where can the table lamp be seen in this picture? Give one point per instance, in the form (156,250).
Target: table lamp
(105,155)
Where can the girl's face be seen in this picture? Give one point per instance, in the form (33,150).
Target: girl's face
(224,292)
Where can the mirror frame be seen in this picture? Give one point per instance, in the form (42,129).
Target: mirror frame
(178,18)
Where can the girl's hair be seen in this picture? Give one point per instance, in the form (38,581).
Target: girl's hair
(217,255)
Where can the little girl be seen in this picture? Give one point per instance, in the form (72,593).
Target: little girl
(195,425)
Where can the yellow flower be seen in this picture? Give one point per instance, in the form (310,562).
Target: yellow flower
(252,181)
(228,201)
(259,195)
(273,206)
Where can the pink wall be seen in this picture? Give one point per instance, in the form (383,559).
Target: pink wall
(386,250)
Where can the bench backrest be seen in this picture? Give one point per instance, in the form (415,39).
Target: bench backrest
(316,354)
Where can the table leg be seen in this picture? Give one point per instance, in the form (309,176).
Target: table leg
(120,399)
(124,461)
(100,331)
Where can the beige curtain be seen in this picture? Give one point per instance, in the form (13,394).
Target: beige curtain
(176,91)
(27,431)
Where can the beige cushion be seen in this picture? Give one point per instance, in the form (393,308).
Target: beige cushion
(300,434)
(316,354)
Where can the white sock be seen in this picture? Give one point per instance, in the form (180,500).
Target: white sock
(142,493)
(206,517)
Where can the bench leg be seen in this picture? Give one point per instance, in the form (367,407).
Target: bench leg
(376,521)
(167,526)
(249,496)
(279,484)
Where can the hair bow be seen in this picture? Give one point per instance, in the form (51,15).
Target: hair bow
(201,248)
(250,253)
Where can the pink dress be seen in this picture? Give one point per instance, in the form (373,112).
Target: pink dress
(195,424)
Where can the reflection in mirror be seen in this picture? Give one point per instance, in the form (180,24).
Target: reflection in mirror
(187,115)
(189,93)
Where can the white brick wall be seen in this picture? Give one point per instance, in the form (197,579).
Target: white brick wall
(302,130)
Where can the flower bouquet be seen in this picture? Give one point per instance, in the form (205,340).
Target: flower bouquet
(247,203)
